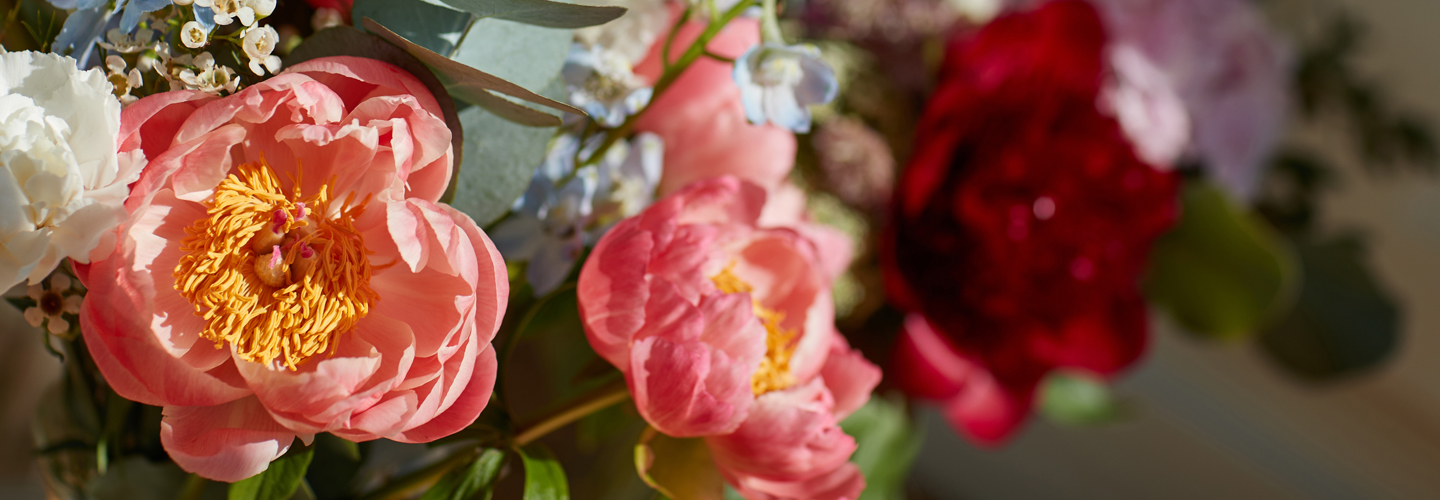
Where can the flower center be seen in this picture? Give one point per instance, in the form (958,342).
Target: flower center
(51,303)
(774,373)
(277,277)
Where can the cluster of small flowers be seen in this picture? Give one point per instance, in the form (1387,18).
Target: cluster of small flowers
(194,71)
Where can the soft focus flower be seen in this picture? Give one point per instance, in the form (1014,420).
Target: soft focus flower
(259,44)
(226,11)
(724,328)
(286,270)
(53,303)
(779,83)
(62,184)
(1225,64)
(702,121)
(632,34)
(552,223)
(601,83)
(123,82)
(193,35)
(325,18)
(211,78)
(341,6)
(118,41)
(858,164)
(1024,220)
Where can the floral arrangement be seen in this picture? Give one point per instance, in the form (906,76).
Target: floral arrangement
(463,248)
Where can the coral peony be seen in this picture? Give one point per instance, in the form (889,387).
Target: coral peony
(724,328)
(62,185)
(286,270)
(702,119)
(1025,218)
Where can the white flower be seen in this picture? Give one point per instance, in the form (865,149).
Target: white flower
(1143,100)
(979,11)
(601,83)
(118,41)
(227,10)
(628,185)
(259,43)
(182,3)
(632,34)
(326,18)
(122,81)
(52,304)
(194,35)
(778,83)
(211,78)
(62,185)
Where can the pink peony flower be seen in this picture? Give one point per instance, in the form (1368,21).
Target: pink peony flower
(286,270)
(702,120)
(724,328)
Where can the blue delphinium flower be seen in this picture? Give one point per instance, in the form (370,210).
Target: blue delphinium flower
(778,84)
(602,83)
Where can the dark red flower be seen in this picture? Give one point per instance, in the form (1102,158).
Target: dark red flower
(1023,222)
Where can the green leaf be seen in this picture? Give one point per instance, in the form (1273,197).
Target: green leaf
(678,468)
(462,484)
(473,86)
(1221,273)
(347,41)
(502,157)
(431,26)
(1343,322)
(538,12)
(279,481)
(887,445)
(544,477)
(1076,399)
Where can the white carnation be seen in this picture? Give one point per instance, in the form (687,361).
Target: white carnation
(62,185)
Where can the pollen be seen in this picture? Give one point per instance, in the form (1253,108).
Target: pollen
(774,372)
(276,281)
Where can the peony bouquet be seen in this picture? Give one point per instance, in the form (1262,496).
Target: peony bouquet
(456,249)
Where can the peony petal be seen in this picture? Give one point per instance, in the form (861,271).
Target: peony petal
(790,435)
(842,483)
(227,442)
(465,409)
(849,377)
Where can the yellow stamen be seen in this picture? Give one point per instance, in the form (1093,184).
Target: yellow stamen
(774,373)
(297,314)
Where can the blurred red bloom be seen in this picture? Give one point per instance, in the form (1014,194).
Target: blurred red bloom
(1023,222)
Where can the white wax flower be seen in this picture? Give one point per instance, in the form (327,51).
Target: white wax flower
(62,185)
(52,305)
(210,78)
(124,82)
(194,35)
(226,11)
(259,42)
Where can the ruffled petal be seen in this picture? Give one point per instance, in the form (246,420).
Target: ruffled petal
(227,442)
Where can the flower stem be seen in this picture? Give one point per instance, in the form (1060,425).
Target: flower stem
(598,399)
(672,73)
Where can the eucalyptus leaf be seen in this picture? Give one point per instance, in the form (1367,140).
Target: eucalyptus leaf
(279,481)
(544,477)
(472,85)
(887,444)
(1221,272)
(678,467)
(1343,323)
(434,27)
(538,12)
(1080,400)
(528,56)
(347,41)
(501,158)
(462,484)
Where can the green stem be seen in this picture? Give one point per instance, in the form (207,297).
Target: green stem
(696,50)
(770,24)
(599,399)
(407,484)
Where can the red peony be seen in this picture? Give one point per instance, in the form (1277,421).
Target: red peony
(1023,222)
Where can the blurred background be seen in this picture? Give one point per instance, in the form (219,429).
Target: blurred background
(1208,419)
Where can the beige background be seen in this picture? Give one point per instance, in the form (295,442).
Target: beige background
(1215,421)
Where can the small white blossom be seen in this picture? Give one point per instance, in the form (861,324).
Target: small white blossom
(259,44)
(52,304)
(119,41)
(210,78)
(194,35)
(183,3)
(778,83)
(123,82)
(62,184)
(226,11)
(633,33)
